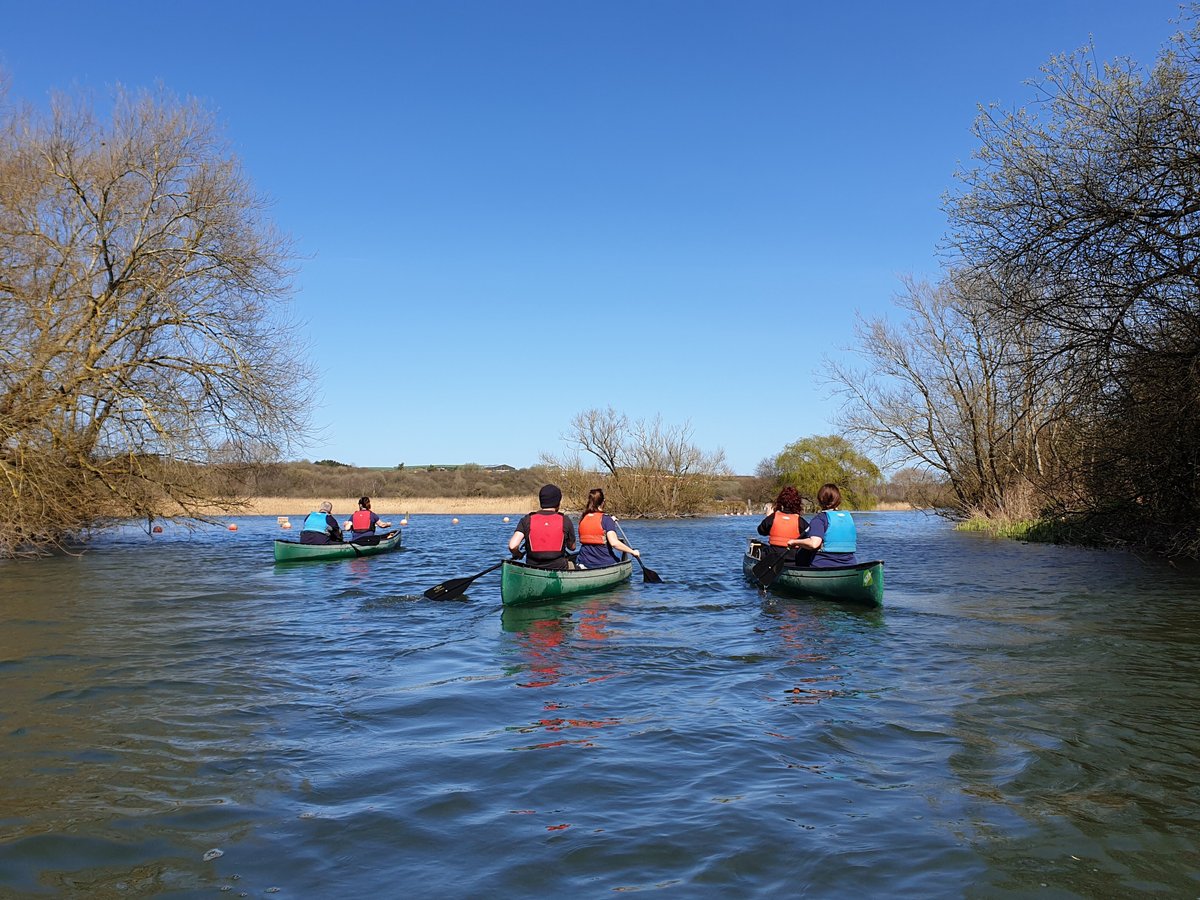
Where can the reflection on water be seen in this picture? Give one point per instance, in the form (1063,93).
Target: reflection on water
(1016,718)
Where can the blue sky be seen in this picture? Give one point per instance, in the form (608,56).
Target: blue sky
(510,212)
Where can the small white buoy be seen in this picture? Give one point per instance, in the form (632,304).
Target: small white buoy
(404,521)
(286,525)
(454,521)
(506,518)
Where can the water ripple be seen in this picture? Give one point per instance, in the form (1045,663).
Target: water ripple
(1017,718)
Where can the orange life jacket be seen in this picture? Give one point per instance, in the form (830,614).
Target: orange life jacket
(591,529)
(547,533)
(784,527)
(361,520)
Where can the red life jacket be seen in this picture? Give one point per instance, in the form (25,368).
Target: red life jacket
(784,527)
(547,534)
(591,529)
(361,520)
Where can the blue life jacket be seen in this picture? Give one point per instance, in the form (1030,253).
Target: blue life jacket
(316,521)
(840,533)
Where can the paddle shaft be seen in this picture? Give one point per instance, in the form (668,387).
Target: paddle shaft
(647,574)
(448,590)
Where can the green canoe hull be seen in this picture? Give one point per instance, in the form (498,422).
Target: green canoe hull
(521,585)
(861,583)
(291,551)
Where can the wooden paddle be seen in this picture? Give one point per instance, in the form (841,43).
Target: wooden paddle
(452,589)
(649,576)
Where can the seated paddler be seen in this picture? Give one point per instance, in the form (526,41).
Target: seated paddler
(831,535)
(543,537)
(363,523)
(784,525)
(321,527)
(599,542)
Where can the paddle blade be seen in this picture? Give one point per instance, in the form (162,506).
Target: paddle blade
(767,570)
(649,576)
(449,590)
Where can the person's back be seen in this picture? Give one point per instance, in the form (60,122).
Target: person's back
(362,523)
(320,527)
(545,533)
(783,526)
(598,539)
(836,530)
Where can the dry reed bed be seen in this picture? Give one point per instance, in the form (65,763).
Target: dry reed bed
(387,508)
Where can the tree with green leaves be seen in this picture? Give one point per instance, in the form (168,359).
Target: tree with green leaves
(811,462)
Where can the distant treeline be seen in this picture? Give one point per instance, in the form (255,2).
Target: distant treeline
(329,478)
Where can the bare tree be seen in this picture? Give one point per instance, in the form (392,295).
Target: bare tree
(1091,198)
(948,390)
(645,467)
(144,340)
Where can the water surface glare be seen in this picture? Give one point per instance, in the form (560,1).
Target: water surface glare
(1016,719)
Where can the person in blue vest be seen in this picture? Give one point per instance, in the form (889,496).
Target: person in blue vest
(321,527)
(362,523)
(547,534)
(831,533)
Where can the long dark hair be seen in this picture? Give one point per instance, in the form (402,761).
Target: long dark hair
(595,501)
(789,501)
(829,496)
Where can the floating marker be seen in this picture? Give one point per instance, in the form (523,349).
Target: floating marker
(454,521)
(158,529)
(232,527)
(506,518)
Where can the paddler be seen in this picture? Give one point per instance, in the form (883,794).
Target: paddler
(321,527)
(599,542)
(547,534)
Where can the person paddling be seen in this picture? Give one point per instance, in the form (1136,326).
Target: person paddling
(547,534)
(599,542)
(784,525)
(321,527)
(362,524)
(831,533)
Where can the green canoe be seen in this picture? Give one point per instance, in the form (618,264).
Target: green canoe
(521,584)
(293,551)
(860,583)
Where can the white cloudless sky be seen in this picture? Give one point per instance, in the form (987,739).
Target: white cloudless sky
(509,212)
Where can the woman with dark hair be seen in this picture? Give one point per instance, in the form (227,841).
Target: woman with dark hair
(831,534)
(785,524)
(362,523)
(598,538)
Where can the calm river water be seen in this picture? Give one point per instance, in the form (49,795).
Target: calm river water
(1017,719)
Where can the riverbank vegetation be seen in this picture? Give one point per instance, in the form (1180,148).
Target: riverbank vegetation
(808,463)
(146,353)
(1052,375)
(646,467)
